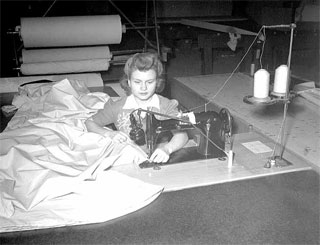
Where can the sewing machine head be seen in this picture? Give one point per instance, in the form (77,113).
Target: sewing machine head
(214,130)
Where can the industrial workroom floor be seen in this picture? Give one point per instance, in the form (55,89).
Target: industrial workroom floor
(281,209)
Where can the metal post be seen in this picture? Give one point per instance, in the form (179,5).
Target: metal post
(131,23)
(146,24)
(292,26)
(156,25)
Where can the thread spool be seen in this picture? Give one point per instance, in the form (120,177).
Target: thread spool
(281,81)
(261,84)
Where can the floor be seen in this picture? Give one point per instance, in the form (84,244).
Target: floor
(282,209)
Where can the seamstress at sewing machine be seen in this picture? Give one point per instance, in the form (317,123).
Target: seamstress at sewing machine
(142,80)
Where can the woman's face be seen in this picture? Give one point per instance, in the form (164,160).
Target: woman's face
(143,84)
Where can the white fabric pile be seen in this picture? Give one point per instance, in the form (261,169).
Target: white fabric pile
(54,173)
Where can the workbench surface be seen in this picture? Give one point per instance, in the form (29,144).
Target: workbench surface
(251,152)
(302,131)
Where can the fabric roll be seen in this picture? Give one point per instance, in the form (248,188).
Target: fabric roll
(77,66)
(70,31)
(65,54)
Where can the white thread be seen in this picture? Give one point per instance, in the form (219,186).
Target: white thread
(264,42)
(281,79)
(261,84)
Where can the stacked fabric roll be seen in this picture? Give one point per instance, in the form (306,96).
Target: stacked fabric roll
(76,44)
(65,60)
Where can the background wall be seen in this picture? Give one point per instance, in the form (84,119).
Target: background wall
(306,12)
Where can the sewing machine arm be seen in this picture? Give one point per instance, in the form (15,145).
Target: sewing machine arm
(214,129)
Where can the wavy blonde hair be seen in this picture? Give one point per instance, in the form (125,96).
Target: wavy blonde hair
(143,62)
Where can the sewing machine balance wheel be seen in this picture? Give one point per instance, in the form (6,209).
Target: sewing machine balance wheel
(227,121)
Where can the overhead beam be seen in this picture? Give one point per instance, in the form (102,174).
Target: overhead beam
(217,27)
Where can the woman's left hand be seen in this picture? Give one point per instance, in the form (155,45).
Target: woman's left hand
(161,154)
(117,136)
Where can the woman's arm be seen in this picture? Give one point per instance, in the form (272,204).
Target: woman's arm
(178,140)
(114,135)
(95,128)
(162,154)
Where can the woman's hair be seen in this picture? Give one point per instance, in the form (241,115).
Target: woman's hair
(143,62)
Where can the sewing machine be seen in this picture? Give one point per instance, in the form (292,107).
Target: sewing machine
(211,129)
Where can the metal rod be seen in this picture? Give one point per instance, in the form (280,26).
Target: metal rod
(285,109)
(278,26)
(131,23)
(156,25)
(292,26)
(146,24)
(13,32)
(123,52)
(140,28)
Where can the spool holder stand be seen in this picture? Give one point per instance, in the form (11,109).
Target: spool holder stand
(278,160)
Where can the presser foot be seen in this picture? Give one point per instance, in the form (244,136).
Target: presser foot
(277,162)
(148,164)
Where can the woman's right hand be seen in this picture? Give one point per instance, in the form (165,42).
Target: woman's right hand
(116,136)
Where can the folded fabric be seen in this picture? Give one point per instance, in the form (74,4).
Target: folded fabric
(55,173)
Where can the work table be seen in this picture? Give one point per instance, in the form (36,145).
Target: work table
(302,132)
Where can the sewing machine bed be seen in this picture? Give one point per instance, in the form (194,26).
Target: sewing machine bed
(186,154)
